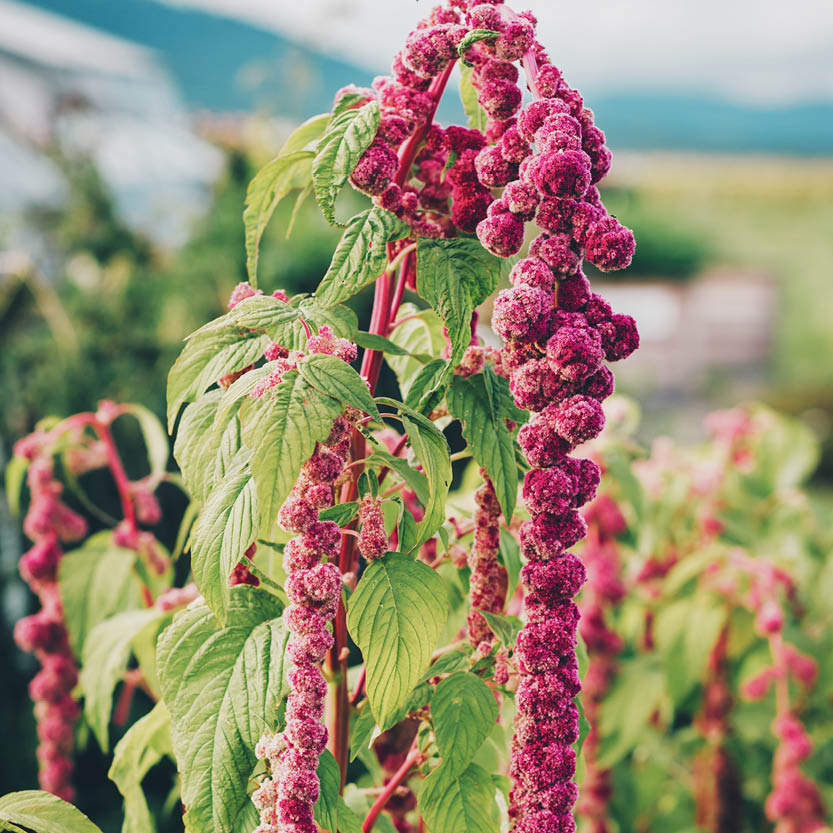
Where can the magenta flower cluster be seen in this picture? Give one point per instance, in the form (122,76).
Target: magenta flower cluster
(557,336)
(603,591)
(795,804)
(547,157)
(286,797)
(48,523)
(487,584)
(373,540)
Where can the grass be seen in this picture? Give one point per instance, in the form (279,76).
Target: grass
(769,214)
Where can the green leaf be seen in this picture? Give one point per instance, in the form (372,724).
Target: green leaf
(347,137)
(267,315)
(416,480)
(334,377)
(348,821)
(325,810)
(582,656)
(629,705)
(371,341)
(247,819)
(459,803)
(417,699)
(454,276)
(361,731)
(229,404)
(231,442)
(196,444)
(396,615)
(505,628)
(473,402)
(502,396)
(269,186)
(341,514)
(431,449)
(510,555)
(407,530)
(428,381)
(473,37)
(145,743)
(347,102)
(42,812)
(281,429)
(339,318)
(361,254)
(155,437)
(96,581)
(205,358)
(468,96)
(15,477)
(106,652)
(227,525)
(687,631)
(223,687)
(464,711)
(446,663)
(584,726)
(306,135)
(422,335)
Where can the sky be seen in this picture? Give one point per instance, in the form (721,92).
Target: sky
(754,51)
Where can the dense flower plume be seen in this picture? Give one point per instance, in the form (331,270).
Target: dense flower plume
(49,523)
(488,578)
(604,590)
(547,157)
(795,804)
(285,797)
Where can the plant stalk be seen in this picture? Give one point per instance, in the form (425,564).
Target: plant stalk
(386,303)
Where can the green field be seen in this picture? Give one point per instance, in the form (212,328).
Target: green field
(768,214)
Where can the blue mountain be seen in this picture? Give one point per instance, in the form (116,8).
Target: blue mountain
(223,65)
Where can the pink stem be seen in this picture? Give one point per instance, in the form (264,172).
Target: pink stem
(119,474)
(398,777)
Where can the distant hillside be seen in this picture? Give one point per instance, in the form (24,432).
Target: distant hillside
(642,120)
(222,64)
(226,65)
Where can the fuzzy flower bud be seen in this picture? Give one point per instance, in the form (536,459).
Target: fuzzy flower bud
(562,174)
(373,541)
(240,292)
(575,353)
(521,199)
(501,99)
(502,235)
(375,169)
(619,337)
(557,252)
(522,312)
(577,419)
(610,245)
(469,204)
(493,170)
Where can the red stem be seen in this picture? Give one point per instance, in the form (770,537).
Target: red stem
(113,460)
(530,65)
(400,289)
(359,690)
(119,474)
(414,756)
(381,316)
(116,467)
